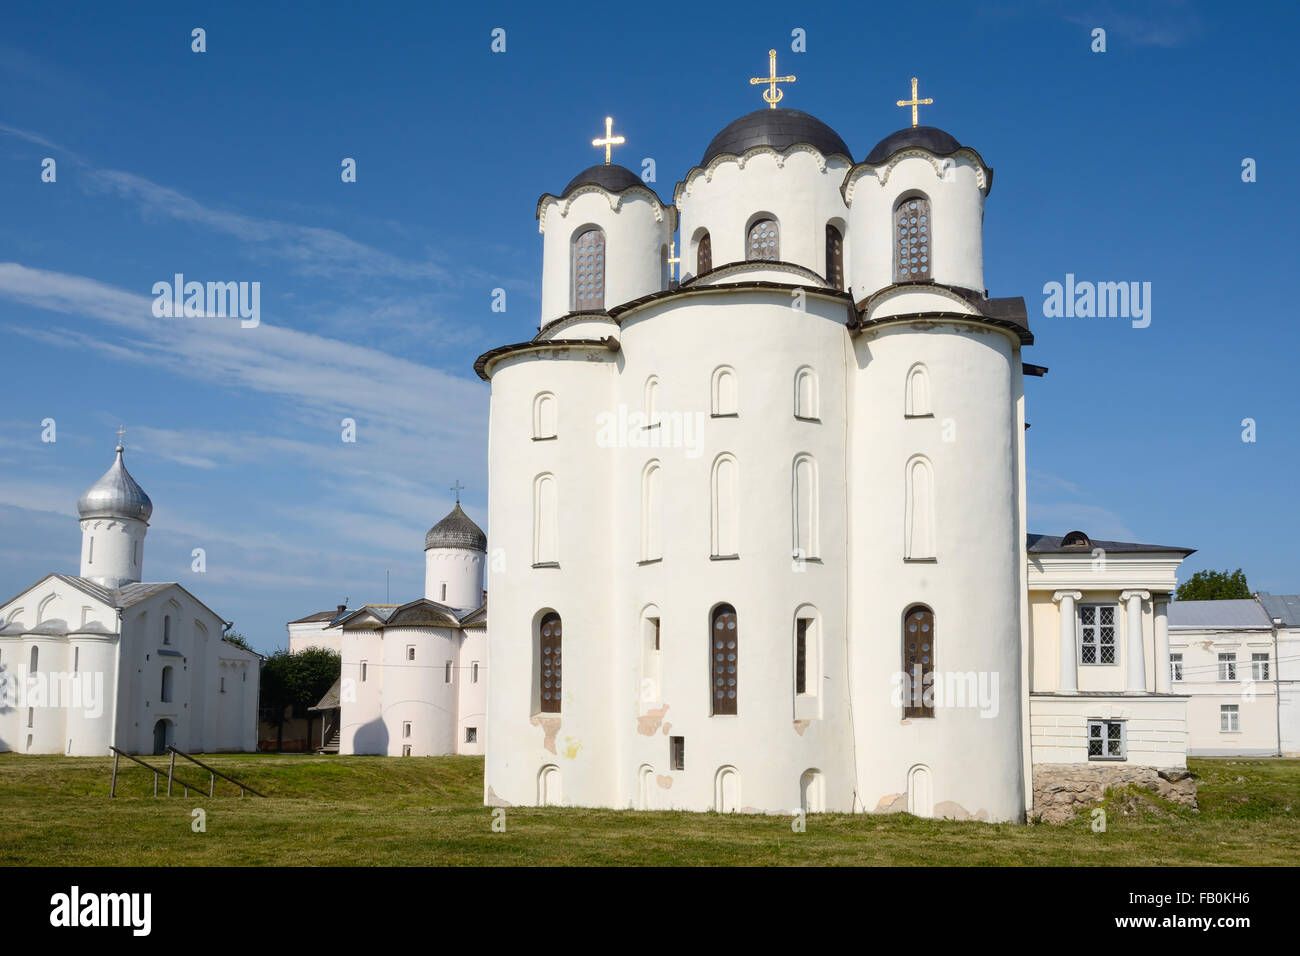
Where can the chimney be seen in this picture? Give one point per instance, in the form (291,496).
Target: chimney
(342,608)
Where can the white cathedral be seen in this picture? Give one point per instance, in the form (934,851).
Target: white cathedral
(763,530)
(103,658)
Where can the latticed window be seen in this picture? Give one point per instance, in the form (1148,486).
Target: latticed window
(912,239)
(1175,667)
(549,676)
(1259,667)
(1097,634)
(1229,718)
(1106,740)
(704,255)
(801,656)
(725,659)
(1227,667)
(834,258)
(764,241)
(589,270)
(918,661)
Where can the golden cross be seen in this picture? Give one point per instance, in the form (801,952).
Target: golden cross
(121,430)
(914,102)
(771,95)
(610,139)
(673,260)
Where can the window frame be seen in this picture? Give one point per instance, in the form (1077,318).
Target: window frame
(1175,667)
(1227,666)
(1096,643)
(549,701)
(1104,738)
(835,263)
(911,656)
(584,303)
(925,259)
(1258,672)
(763,219)
(724,666)
(1232,711)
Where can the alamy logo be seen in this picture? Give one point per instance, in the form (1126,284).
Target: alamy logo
(75,908)
(636,429)
(83,690)
(1103,300)
(215,300)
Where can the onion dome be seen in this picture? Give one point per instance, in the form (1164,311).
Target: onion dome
(930,138)
(608,176)
(115,495)
(778,128)
(457,530)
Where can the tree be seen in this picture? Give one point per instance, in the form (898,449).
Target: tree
(1214,586)
(299,681)
(234,637)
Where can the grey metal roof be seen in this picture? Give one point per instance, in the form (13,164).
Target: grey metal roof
(1241,613)
(929,138)
(1048,544)
(122,597)
(115,495)
(457,530)
(316,618)
(778,128)
(1283,606)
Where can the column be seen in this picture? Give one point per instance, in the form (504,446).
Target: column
(1160,607)
(1137,662)
(1068,681)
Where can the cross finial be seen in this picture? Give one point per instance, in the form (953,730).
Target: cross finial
(121,430)
(457,488)
(610,139)
(771,95)
(914,102)
(673,260)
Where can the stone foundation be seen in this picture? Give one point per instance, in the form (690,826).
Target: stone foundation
(1061,789)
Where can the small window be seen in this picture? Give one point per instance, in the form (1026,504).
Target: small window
(90,558)
(223,685)
(1259,667)
(410,652)
(443,593)
(805,395)
(724,392)
(1229,718)
(801,656)
(704,255)
(549,672)
(406,750)
(544,417)
(589,271)
(834,257)
(165,694)
(764,241)
(31,717)
(446,673)
(1227,667)
(918,661)
(363,671)
(1097,634)
(76,659)
(471,735)
(1107,740)
(473,672)
(726,660)
(677,753)
(1175,667)
(167,629)
(406,729)
(912,249)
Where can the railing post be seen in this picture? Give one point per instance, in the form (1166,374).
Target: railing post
(171,770)
(112,789)
(212,784)
(155,783)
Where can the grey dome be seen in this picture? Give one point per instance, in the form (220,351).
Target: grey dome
(609,176)
(457,530)
(929,138)
(779,128)
(115,495)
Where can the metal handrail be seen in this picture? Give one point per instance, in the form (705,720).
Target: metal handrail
(215,773)
(112,789)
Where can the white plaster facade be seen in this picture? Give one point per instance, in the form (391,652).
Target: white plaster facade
(101,659)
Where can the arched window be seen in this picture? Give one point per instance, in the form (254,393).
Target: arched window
(805,394)
(725,659)
(34,661)
(725,507)
(167,629)
(726,790)
(545,521)
(704,255)
(834,257)
(549,669)
(807,662)
(913,251)
(166,694)
(652,548)
(918,662)
(804,499)
(544,415)
(920,791)
(549,793)
(919,530)
(763,240)
(589,270)
(651,401)
(916,395)
(812,792)
(724,392)
(651,690)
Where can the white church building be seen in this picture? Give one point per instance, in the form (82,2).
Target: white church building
(103,658)
(414,676)
(763,529)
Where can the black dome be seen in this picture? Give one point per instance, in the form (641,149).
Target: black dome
(777,128)
(457,530)
(608,176)
(926,137)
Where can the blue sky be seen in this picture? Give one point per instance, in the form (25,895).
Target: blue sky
(376,295)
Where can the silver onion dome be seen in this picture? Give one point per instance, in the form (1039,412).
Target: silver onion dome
(457,530)
(115,495)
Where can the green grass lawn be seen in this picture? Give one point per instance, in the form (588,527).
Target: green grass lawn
(332,811)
